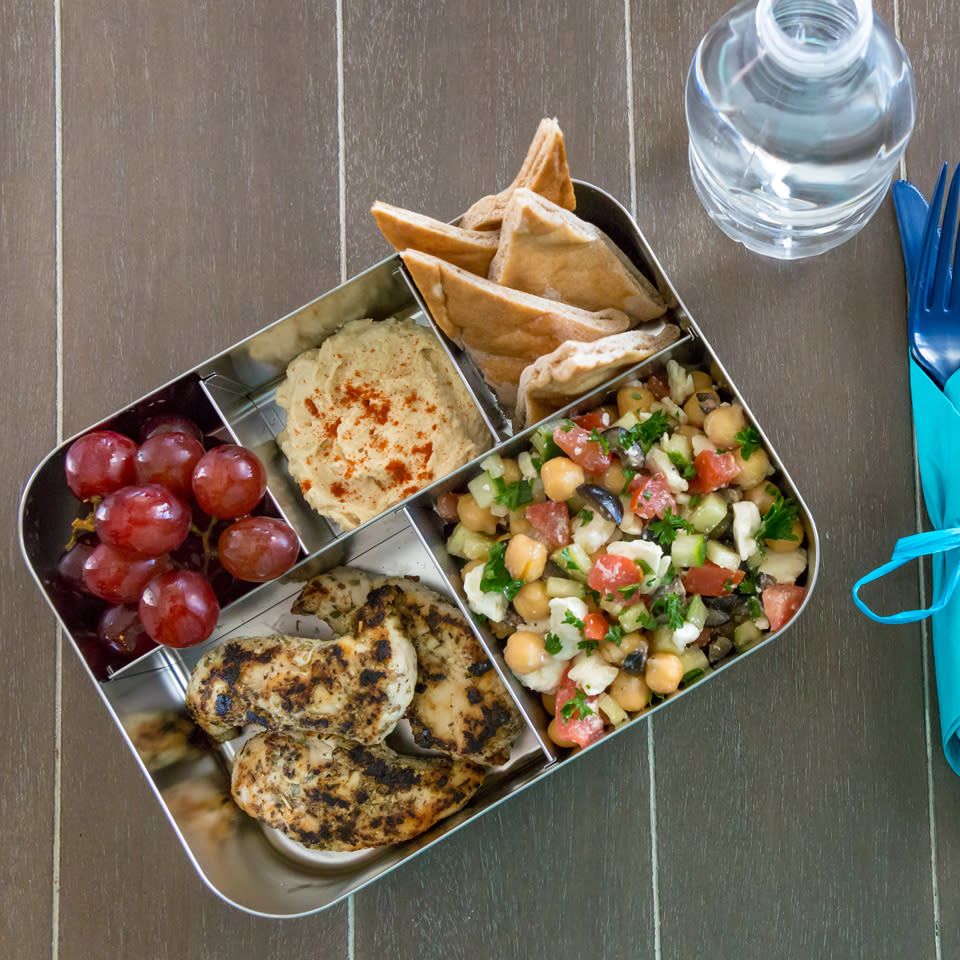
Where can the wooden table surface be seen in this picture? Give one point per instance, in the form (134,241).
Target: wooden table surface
(174,175)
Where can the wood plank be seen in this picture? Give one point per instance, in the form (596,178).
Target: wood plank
(791,795)
(200,200)
(441,103)
(28,302)
(932,38)
(28,369)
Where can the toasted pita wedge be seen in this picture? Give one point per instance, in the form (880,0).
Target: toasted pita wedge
(574,369)
(550,252)
(503,330)
(470,249)
(544,171)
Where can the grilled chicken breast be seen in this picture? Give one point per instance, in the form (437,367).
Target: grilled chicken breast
(357,685)
(460,706)
(329,794)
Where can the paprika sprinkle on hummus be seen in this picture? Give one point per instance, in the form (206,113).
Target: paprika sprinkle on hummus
(374,414)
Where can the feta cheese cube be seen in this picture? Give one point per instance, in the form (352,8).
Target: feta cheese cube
(784,567)
(746,523)
(492,605)
(544,679)
(591,673)
(568,634)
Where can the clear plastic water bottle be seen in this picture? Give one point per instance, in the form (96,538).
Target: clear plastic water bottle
(798,112)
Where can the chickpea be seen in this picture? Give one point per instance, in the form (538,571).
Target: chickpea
(630,691)
(664,672)
(723,424)
(561,477)
(634,400)
(752,470)
(763,495)
(511,471)
(519,522)
(785,546)
(525,558)
(701,381)
(474,517)
(549,701)
(524,652)
(532,602)
(689,430)
(471,565)
(554,735)
(613,479)
(699,405)
(629,642)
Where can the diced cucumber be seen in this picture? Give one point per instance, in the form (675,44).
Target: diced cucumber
(611,709)
(697,612)
(483,490)
(628,421)
(709,513)
(746,635)
(468,544)
(695,665)
(574,560)
(613,607)
(634,617)
(662,640)
(677,443)
(527,470)
(493,465)
(722,556)
(561,587)
(689,550)
(543,442)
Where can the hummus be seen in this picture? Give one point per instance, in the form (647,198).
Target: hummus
(374,414)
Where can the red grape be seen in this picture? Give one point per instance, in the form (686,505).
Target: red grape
(258,548)
(229,481)
(169,459)
(146,520)
(121,631)
(119,576)
(169,423)
(99,463)
(179,608)
(70,564)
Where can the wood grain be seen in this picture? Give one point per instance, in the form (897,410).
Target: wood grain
(932,38)
(28,640)
(791,797)
(200,203)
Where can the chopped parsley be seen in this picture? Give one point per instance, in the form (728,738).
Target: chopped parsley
(496,578)
(571,618)
(644,566)
(647,433)
(778,523)
(567,426)
(628,476)
(552,644)
(628,591)
(614,634)
(576,705)
(695,500)
(670,605)
(748,585)
(646,619)
(593,596)
(684,467)
(749,440)
(665,530)
(691,676)
(513,496)
(598,437)
(755,608)
(589,645)
(585,516)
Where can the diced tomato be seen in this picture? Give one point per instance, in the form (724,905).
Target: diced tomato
(714,470)
(658,387)
(579,730)
(551,520)
(711,580)
(599,419)
(595,626)
(651,496)
(781,601)
(447,506)
(610,571)
(575,442)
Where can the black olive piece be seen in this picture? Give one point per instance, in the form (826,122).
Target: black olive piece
(718,648)
(727,603)
(630,455)
(716,617)
(636,660)
(603,500)
(707,401)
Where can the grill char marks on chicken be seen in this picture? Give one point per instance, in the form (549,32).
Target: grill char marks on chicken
(356,686)
(460,706)
(329,794)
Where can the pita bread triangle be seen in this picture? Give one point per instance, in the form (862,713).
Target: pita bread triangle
(544,171)
(550,252)
(404,229)
(503,330)
(574,369)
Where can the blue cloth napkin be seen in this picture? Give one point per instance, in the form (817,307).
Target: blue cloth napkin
(936,417)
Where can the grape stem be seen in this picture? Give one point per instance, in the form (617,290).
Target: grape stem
(83,524)
(205,540)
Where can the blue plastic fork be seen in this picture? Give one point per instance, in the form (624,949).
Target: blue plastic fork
(934,315)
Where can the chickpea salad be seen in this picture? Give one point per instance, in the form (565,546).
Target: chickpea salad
(629,550)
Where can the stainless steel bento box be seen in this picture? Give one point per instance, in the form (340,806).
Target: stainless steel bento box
(256,869)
